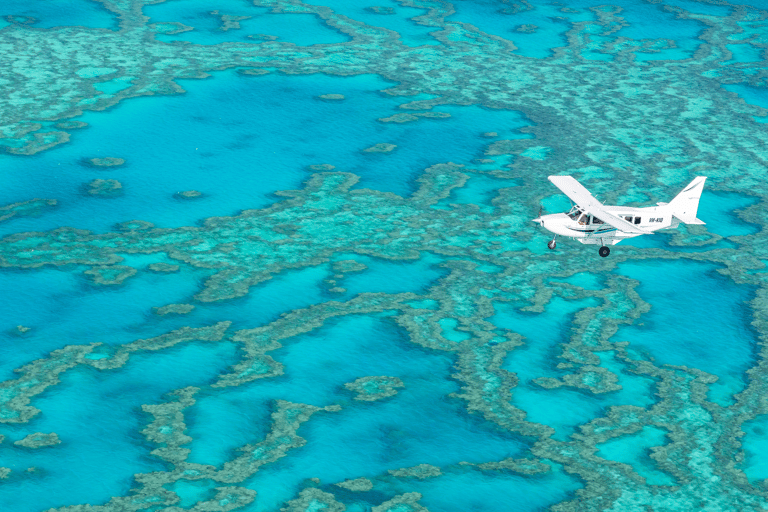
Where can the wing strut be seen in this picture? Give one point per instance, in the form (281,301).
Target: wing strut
(581,196)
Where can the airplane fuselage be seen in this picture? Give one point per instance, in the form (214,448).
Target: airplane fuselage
(589,229)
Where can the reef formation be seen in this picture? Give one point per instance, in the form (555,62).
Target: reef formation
(634,129)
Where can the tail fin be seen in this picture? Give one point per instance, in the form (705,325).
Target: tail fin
(685,204)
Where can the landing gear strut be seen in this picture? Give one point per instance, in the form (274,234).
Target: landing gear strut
(552,243)
(604,251)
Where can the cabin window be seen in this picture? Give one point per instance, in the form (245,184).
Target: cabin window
(628,218)
(595,220)
(584,219)
(637,220)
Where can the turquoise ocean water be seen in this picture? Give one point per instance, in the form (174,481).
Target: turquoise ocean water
(438,357)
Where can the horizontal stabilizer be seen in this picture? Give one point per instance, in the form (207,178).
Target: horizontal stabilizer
(689,220)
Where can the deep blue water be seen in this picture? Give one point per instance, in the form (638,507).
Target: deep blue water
(543,335)
(755,443)
(98,416)
(392,276)
(299,29)
(486,16)
(538,357)
(480,189)
(634,449)
(474,490)
(250,146)
(698,318)
(752,95)
(645,21)
(418,425)
(400,22)
(60,13)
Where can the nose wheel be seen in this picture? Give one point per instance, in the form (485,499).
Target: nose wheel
(604,251)
(552,243)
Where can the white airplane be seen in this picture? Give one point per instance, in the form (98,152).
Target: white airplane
(591,222)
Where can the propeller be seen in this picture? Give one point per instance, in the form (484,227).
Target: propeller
(541,210)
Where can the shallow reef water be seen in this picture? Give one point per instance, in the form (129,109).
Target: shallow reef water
(278,255)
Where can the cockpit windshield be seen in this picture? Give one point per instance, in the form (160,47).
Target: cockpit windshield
(576,214)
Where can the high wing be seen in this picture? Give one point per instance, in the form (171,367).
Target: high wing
(581,196)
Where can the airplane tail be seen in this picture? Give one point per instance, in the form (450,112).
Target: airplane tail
(685,204)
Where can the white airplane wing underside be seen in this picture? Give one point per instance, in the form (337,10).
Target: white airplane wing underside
(581,196)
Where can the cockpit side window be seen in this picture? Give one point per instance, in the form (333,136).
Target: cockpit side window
(628,218)
(595,220)
(584,219)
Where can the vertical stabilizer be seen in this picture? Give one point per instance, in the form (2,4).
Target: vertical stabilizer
(685,204)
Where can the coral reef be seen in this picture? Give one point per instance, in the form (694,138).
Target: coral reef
(381,147)
(314,499)
(526,29)
(163,267)
(407,502)
(110,275)
(107,161)
(380,10)
(624,154)
(104,188)
(357,485)
(39,440)
(228,21)
(321,167)
(174,309)
(189,194)
(167,428)
(404,117)
(370,389)
(421,472)
(32,207)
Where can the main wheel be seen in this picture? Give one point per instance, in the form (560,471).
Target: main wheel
(604,251)
(551,244)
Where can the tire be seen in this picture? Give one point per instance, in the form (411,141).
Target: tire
(604,251)
(551,244)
